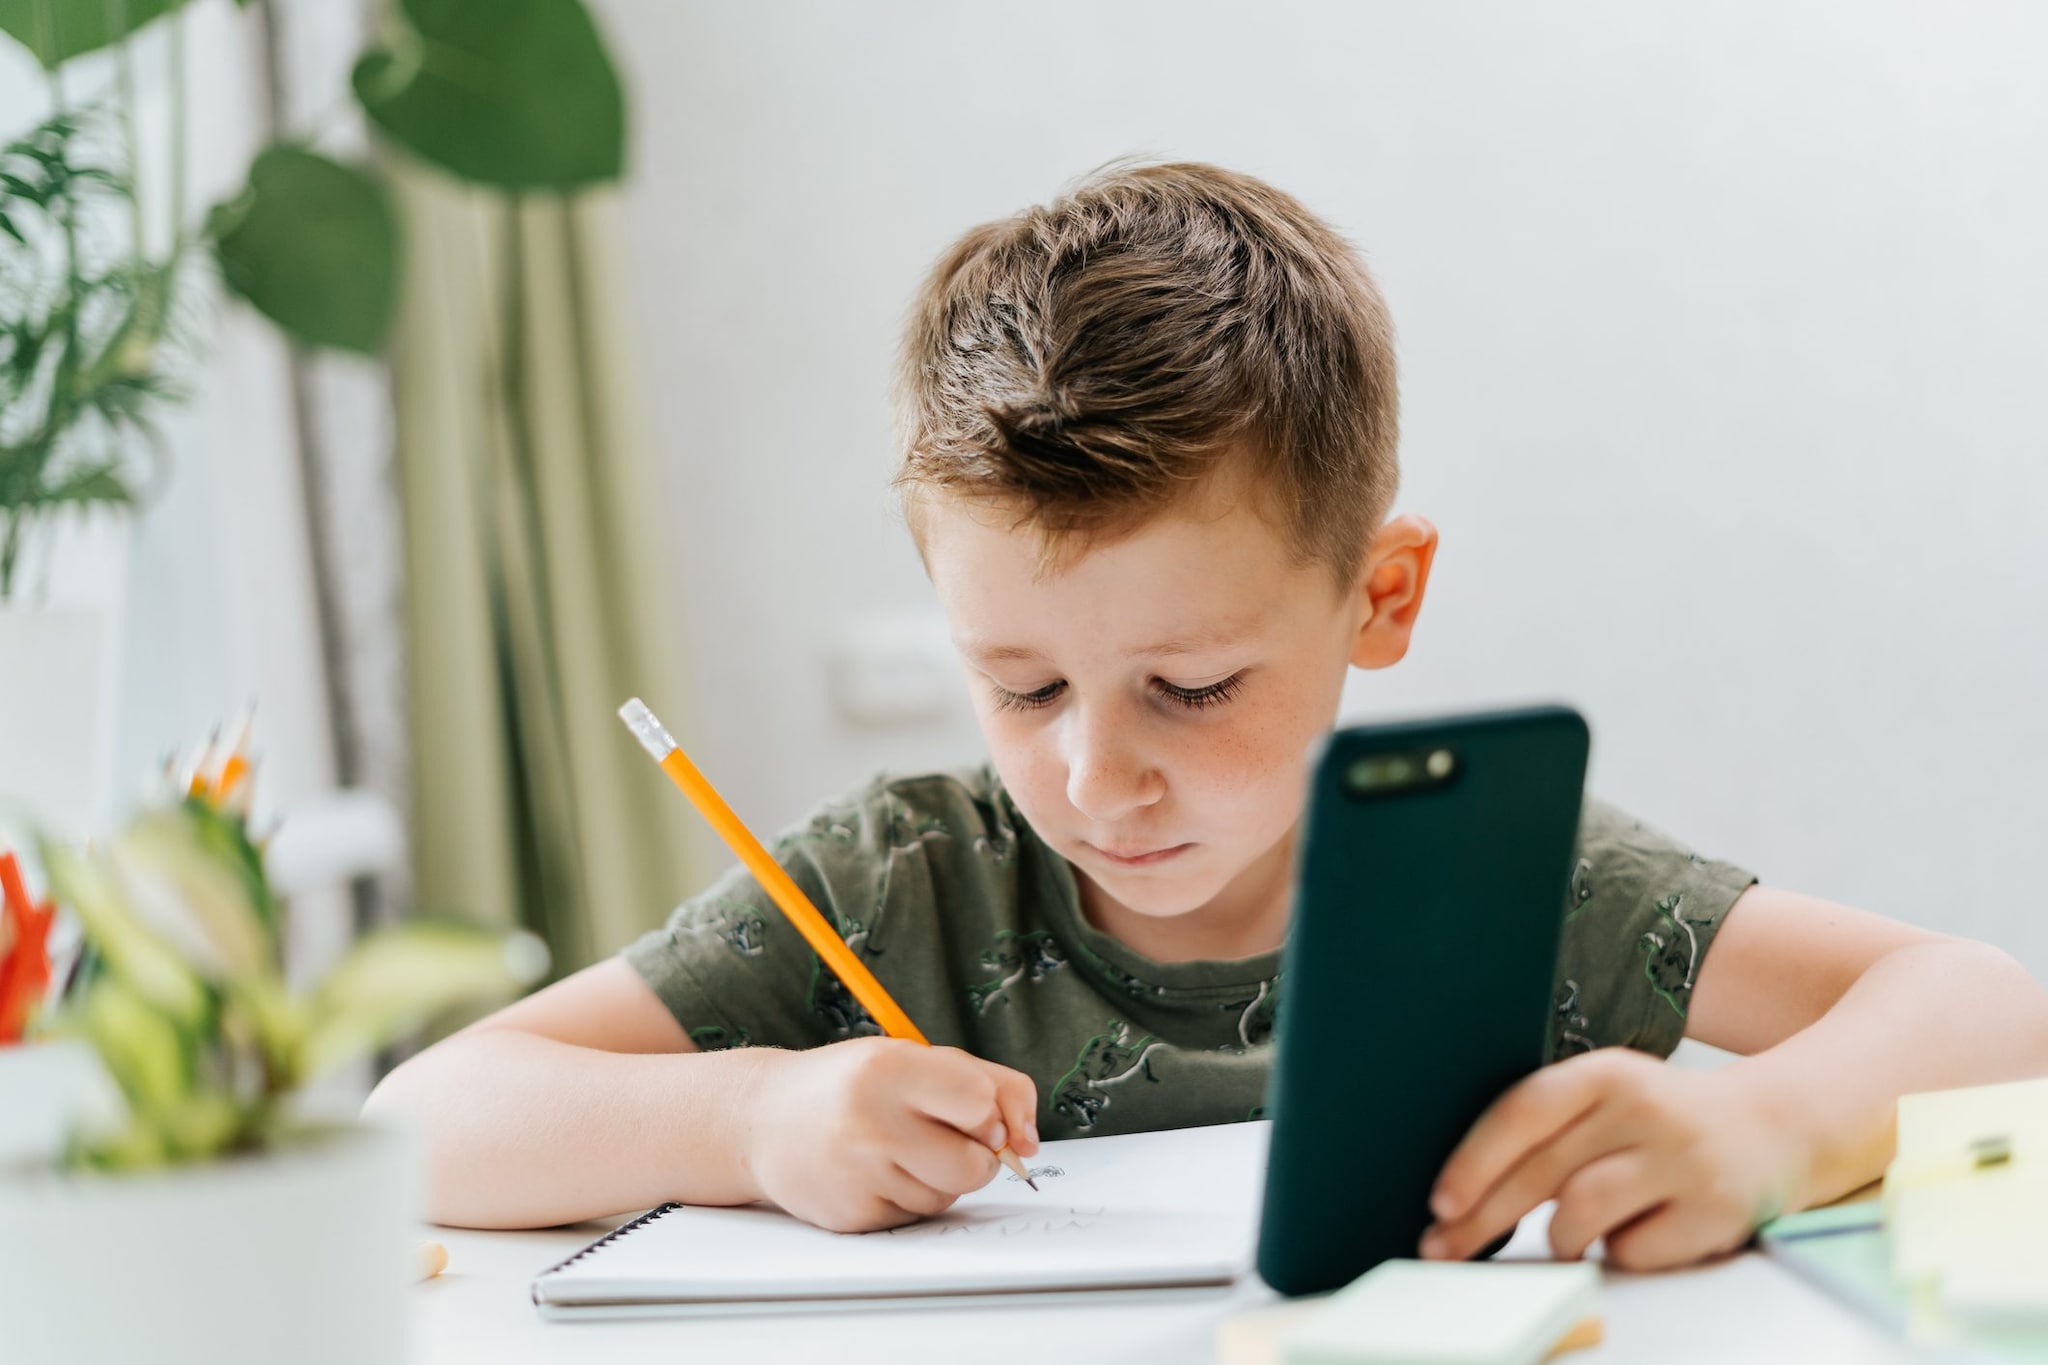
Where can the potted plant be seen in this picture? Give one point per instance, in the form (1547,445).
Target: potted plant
(215,1218)
(81,332)
(518,103)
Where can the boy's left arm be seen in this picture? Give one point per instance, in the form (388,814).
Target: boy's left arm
(1838,1012)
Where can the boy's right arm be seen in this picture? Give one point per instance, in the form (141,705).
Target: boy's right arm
(588,1098)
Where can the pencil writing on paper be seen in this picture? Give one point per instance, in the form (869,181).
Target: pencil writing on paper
(1037,1173)
(1069,1220)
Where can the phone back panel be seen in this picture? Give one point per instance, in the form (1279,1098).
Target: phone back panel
(1417,979)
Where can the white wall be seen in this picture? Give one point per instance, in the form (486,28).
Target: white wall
(1724,335)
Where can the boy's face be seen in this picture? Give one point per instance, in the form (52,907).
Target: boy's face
(1151,705)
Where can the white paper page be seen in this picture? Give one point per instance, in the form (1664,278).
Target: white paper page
(1143,1209)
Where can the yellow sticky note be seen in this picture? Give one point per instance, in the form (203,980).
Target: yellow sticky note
(1447,1313)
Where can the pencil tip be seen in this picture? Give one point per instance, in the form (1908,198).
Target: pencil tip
(1032,1183)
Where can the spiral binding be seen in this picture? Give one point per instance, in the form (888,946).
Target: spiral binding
(620,1231)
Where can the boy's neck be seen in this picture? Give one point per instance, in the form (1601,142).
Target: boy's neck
(1247,918)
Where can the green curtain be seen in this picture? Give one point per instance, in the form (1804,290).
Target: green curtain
(538,596)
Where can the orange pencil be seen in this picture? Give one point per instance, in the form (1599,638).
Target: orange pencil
(817,931)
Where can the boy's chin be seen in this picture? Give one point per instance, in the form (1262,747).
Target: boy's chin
(1153,897)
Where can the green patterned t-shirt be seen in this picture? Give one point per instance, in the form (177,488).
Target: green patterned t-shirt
(975,926)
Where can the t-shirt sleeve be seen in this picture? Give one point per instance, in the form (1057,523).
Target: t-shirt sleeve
(1639,916)
(734,971)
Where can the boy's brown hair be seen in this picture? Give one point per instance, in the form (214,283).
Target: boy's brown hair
(1092,360)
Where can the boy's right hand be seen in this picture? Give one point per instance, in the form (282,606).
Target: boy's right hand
(877,1132)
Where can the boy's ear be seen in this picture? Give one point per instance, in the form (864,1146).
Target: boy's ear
(1390,588)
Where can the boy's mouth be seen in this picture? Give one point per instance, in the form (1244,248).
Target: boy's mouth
(1141,857)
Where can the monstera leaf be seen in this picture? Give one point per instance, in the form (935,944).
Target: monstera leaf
(513,93)
(313,244)
(58,30)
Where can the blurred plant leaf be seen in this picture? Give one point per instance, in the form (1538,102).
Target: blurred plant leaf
(136,1145)
(191,1012)
(129,349)
(44,168)
(94,483)
(134,953)
(142,1049)
(400,977)
(58,30)
(313,244)
(83,323)
(226,837)
(278,1021)
(184,888)
(201,1123)
(514,93)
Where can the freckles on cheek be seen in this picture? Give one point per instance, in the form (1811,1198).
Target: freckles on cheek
(1249,778)
(1031,769)
(1262,753)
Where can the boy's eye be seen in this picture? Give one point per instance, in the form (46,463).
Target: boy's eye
(1006,700)
(1193,698)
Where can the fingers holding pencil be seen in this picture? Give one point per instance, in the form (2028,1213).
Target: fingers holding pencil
(1017,1124)
(874,1132)
(991,1103)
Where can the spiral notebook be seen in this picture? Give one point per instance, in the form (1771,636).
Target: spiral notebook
(1170,1211)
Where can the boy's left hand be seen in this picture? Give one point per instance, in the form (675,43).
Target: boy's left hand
(1670,1166)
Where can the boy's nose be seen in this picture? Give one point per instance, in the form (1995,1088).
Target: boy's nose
(1106,777)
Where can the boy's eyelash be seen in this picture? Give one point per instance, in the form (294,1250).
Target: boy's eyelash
(1193,698)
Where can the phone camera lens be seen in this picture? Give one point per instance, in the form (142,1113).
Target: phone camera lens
(1382,772)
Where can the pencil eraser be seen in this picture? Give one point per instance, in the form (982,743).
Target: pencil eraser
(1447,1313)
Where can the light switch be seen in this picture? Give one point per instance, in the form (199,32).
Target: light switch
(894,669)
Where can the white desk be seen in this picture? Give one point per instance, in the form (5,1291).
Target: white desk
(1745,1309)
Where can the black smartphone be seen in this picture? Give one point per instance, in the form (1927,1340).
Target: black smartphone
(1416,985)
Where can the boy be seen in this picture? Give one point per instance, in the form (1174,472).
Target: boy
(1149,454)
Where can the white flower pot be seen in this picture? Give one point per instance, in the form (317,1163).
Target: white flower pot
(299,1255)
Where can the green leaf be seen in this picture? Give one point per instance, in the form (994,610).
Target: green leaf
(513,93)
(397,979)
(99,484)
(313,244)
(277,1019)
(144,1051)
(128,352)
(198,899)
(226,836)
(79,25)
(203,1124)
(83,884)
(136,1146)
